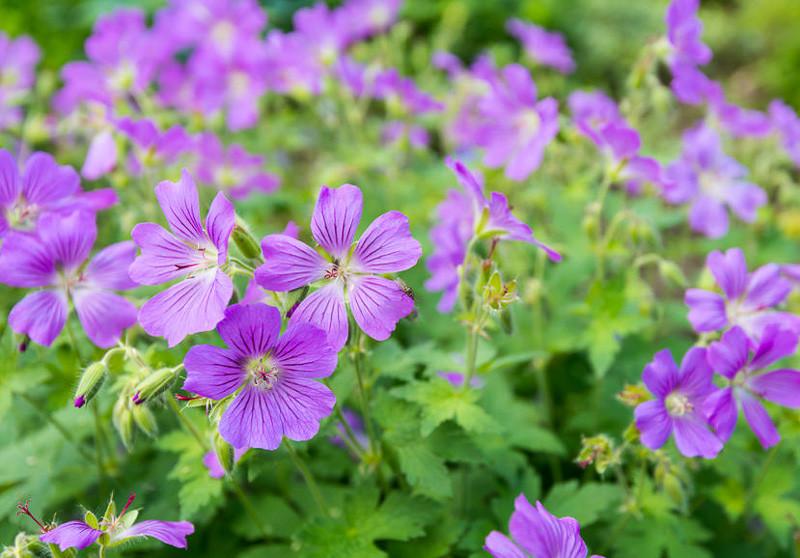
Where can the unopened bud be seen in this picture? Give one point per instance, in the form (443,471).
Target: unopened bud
(597,450)
(90,382)
(154,385)
(122,417)
(671,272)
(224,452)
(247,245)
(632,395)
(145,420)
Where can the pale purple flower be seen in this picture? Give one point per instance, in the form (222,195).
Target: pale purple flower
(536,533)
(274,378)
(291,67)
(370,17)
(747,384)
(403,93)
(43,186)
(711,182)
(215,468)
(787,124)
(689,84)
(54,261)
(151,146)
(231,169)
(353,275)
(620,144)
(737,121)
(191,252)
(325,33)
(79,535)
(747,299)
(684,30)
(395,131)
(18,59)
(679,406)
(547,48)
(456,379)
(102,155)
(591,112)
(356,424)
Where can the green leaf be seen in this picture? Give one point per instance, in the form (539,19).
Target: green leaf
(198,491)
(586,503)
(425,471)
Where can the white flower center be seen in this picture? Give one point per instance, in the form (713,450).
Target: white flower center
(678,404)
(263,372)
(529,123)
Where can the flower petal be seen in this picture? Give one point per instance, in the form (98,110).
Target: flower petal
(68,238)
(173,533)
(40,315)
(774,344)
(213,372)
(219,225)
(696,374)
(101,157)
(709,217)
(181,206)
(109,267)
(766,287)
(44,181)
(72,534)
(729,355)
(288,264)
(25,262)
(303,350)
(730,271)
(250,329)
(104,315)
(720,407)
(706,310)
(386,246)
(500,546)
(378,304)
(325,308)
(661,375)
(195,304)
(654,423)
(336,217)
(10,180)
(163,256)
(779,386)
(693,437)
(759,421)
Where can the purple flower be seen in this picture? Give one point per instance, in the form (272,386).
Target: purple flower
(54,261)
(274,378)
(356,425)
(516,127)
(153,147)
(747,300)
(679,406)
(402,94)
(215,468)
(191,252)
(710,181)
(747,384)
(684,30)
(465,215)
(355,275)
(18,59)
(79,535)
(592,111)
(395,131)
(786,122)
(292,69)
(43,186)
(370,17)
(544,47)
(536,533)
(232,169)
(737,121)
(456,379)
(325,33)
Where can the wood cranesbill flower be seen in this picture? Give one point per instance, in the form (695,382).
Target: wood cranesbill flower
(547,48)
(274,378)
(18,59)
(54,261)
(191,252)
(231,169)
(748,383)
(347,275)
(536,533)
(680,404)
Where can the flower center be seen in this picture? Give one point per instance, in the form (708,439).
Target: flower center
(264,373)
(678,404)
(22,215)
(334,271)
(226,177)
(712,185)
(529,123)
(238,83)
(9,77)
(223,34)
(123,77)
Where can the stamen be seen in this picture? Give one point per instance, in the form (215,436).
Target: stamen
(24,509)
(131,498)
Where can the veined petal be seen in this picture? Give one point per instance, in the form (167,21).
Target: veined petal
(500,546)
(759,421)
(729,355)
(103,314)
(109,267)
(163,256)
(766,287)
(779,386)
(25,262)
(40,315)
(706,310)
(336,217)
(661,375)
(693,437)
(219,225)
(720,407)
(730,271)
(654,423)
(195,304)
(303,350)
(181,206)
(72,534)
(173,533)
(325,309)
(378,304)
(774,344)
(696,374)
(44,181)
(250,329)
(10,179)
(386,246)
(68,238)
(213,372)
(288,264)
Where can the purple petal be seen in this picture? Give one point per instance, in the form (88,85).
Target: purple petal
(303,351)
(70,238)
(696,374)
(173,533)
(213,372)
(336,217)
(109,267)
(25,262)
(101,157)
(181,206)
(654,423)
(163,256)
(722,414)
(541,533)
(709,217)
(729,356)
(219,224)
(250,329)
(40,315)
(259,418)
(706,310)
(730,271)
(104,315)
(72,534)
(745,199)
(774,344)
(693,437)
(288,264)
(661,375)
(759,421)
(779,386)
(766,287)
(10,179)
(195,304)
(386,246)
(325,308)
(378,304)
(44,181)
(500,546)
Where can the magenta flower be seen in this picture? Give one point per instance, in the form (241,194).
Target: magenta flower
(232,169)
(710,182)
(18,59)
(591,112)
(347,274)
(191,252)
(403,93)
(547,48)
(536,533)
(787,124)
(79,535)
(679,406)
(151,146)
(325,33)
(684,30)
(747,301)
(274,378)
(55,262)
(620,144)
(370,17)
(747,383)
(43,186)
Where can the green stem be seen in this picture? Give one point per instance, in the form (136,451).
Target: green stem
(58,426)
(349,436)
(187,424)
(308,477)
(364,395)
(249,508)
(600,247)
(472,353)
(73,341)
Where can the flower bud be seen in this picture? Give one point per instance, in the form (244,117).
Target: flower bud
(247,245)
(632,395)
(90,382)
(224,452)
(122,417)
(597,450)
(498,295)
(154,385)
(671,272)
(145,420)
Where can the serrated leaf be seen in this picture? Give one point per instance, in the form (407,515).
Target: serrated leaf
(425,471)
(586,503)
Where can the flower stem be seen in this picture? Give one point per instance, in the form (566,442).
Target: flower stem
(308,477)
(187,424)
(358,364)
(472,354)
(349,436)
(248,505)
